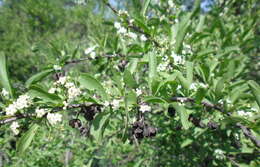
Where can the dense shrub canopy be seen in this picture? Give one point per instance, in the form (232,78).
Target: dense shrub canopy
(129,83)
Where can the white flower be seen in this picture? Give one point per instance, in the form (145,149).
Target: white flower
(177,59)
(23,101)
(57,67)
(93,55)
(65,103)
(115,104)
(117,25)
(143,37)
(219,154)
(138,92)
(145,108)
(170,3)
(11,109)
(69,85)
(132,35)
(4,92)
(236,136)
(203,85)
(89,50)
(40,112)
(121,30)
(244,114)
(254,109)
(54,118)
(106,103)
(162,67)
(193,86)
(122,12)
(228,101)
(179,87)
(73,92)
(131,21)
(62,80)
(14,127)
(52,90)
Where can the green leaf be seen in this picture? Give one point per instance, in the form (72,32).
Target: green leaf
(186,142)
(182,112)
(145,6)
(38,92)
(98,126)
(189,67)
(219,87)
(91,83)
(152,99)
(201,23)
(133,65)
(129,79)
(38,77)
(200,94)
(255,88)
(131,98)
(152,68)
(4,80)
(25,141)
(183,28)
(184,82)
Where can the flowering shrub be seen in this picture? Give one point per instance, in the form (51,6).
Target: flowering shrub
(169,87)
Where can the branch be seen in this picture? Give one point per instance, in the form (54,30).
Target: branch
(246,131)
(21,116)
(204,103)
(249,134)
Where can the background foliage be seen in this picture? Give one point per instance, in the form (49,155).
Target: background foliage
(217,41)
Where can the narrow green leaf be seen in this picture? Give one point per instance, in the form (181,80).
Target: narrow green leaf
(133,65)
(25,141)
(255,88)
(131,98)
(219,87)
(4,80)
(37,92)
(182,80)
(129,79)
(183,115)
(145,6)
(201,23)
(200,94)
(91,83)
(152,68)
(152,99)
(183,28)
(98,126)
(38,77)
(152,65)
(186,142)
(189,67)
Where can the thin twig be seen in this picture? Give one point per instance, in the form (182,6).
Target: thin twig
(134,27)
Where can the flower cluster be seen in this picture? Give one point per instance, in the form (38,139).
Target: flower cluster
(4,93)
(54,118)
(24,101)
(91,51)
(123,31)
(40,112)
(14,127)
(145,108)
(244,113)
(219,154)
(72,90)
(177,59)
